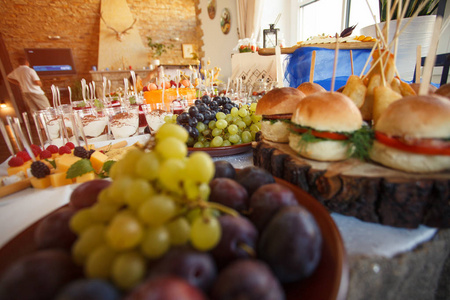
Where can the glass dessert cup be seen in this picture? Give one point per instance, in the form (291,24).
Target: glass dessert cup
(124,121)
(154,114)
(94,124)
(54,128)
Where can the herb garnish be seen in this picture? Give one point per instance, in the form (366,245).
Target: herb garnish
(362,140)
(273,121)
(79,168)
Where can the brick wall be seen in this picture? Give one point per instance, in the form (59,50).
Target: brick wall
(28,23)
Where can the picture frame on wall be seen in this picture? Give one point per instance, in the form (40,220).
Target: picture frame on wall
(225,21)
(188,50)
(212,9)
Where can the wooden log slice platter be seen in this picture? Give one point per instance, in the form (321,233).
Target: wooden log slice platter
(365,190)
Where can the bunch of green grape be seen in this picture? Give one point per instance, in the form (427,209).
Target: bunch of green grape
(237,127)
(157,199)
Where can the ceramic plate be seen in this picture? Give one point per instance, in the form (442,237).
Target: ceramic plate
(330,279)
(328,282)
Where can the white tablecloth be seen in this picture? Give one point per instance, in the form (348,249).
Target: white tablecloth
(20,210)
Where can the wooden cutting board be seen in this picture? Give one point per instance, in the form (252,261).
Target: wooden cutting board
(365,190)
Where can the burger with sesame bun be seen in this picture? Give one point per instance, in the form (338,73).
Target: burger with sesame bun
(413,135)
(276,108)
(327,126)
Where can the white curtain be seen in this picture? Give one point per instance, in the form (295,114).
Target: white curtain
(249,18)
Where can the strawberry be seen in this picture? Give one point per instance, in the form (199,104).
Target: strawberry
(15,161)
(64,150)
(53,149)
(45,154)
(35,148)
(24,155)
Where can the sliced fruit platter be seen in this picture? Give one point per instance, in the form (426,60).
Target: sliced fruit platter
(58,166)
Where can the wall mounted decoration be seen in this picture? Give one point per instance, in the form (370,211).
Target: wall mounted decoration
(225,21)
(212,5)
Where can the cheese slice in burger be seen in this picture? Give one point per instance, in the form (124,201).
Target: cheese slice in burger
(322,125)
(413,135)
(276,108)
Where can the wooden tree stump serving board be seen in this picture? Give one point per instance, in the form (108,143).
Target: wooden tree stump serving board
(365,190)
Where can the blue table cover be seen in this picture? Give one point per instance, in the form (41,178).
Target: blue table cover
(298,66)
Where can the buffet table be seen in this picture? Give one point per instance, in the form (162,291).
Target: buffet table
(385,262)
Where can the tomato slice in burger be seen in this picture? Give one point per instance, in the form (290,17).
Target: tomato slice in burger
(419,146)
(322,134)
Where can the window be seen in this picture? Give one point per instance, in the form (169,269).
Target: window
(316,17)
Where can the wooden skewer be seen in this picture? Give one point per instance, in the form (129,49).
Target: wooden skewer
(117,145)
(418,63)
(16,137)
(421,6)
(336,52)
(383,76)
(431,57)
(377,61)
(351,61)
(313,64)
(368,59)
(15,187)
(279,66)
(388,21)
(397,28)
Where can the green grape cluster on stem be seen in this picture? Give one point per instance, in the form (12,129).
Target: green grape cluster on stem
(158,198)
(237,127)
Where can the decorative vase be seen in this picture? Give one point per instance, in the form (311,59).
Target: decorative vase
(418,32)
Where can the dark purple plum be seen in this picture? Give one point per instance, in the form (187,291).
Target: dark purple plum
(89,289)
(167,288)
(86,193)
(248,279)
(38,276)
(196,267)
(230,193)
(253,177)
(54,231)
(266,201)
(291,244)
(224,169)
(238,240)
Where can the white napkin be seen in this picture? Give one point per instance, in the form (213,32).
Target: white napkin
(22,209)
(371,239)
